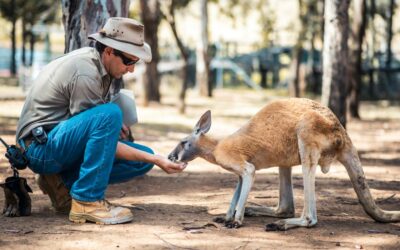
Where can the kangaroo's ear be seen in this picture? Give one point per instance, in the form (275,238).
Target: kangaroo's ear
(204,123)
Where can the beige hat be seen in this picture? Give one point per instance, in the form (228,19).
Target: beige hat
(126,35)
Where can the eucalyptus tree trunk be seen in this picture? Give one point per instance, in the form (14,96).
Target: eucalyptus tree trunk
(355,52)
(297,54)
(23,43)
(335,56)
(151,17)
(13,66)
(82,18)
(170,17)
(390,14)
(203,62)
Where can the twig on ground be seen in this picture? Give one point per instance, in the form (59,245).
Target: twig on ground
(381,200)
(242,246)
(347,201)
(173,246)
(254,203)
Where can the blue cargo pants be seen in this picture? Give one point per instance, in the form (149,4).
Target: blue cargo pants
(82,150)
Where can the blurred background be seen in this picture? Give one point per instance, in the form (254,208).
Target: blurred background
(268,46)
(231,57)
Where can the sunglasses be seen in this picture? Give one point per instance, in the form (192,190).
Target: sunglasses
(125,60)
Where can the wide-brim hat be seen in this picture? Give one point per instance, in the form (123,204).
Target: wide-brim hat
(126,35)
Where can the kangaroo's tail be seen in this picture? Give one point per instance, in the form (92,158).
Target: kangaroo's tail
(349,158)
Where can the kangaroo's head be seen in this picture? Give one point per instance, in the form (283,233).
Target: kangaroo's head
(189,148)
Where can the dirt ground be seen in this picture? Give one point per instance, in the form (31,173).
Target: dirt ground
(177,211)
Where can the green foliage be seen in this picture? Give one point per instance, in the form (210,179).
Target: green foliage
(179,4)
(267,16)
(11,9)
(30,10)
(43,10)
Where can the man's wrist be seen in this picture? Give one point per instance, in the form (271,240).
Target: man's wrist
(156,159)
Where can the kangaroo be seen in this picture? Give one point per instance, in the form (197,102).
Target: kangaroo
(284,133)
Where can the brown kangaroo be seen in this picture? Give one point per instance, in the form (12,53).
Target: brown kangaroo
(284,133)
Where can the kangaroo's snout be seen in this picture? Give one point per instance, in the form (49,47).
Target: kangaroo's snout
(172,157)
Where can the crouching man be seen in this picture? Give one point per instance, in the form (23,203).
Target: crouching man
(74,137)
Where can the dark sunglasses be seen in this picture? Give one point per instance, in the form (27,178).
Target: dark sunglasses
(125,60)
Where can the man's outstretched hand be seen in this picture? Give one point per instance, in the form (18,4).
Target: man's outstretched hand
(168,166)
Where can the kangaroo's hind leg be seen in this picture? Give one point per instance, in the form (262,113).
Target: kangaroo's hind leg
(285,208)
(309,158)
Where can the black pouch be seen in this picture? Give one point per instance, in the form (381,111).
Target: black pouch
(39,134)
(17,200)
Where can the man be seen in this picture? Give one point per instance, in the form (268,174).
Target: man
(69,129)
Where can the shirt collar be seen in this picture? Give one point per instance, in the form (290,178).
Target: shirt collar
(99,64)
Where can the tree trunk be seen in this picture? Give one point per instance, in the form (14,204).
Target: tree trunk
(23,48)
(335,56)
(371,50)
(297,54)
(184,54)
(13,65)
(355,52)
(82,18)
(389,34)
(151,17)
(203,62)
(32,47)
(388,63)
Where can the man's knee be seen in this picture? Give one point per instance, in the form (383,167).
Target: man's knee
(148,150)
(112,110)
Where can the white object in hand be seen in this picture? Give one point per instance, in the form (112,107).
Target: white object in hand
(126,101)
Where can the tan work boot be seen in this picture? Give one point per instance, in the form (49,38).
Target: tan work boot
(100,212)
(53,186)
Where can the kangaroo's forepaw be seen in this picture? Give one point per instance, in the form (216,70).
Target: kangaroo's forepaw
(220,220)
(233,224)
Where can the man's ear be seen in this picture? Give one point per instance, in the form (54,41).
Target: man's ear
(108,50)
(204,123)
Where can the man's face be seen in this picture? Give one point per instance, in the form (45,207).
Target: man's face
(120,63)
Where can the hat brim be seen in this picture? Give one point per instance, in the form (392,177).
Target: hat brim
(143,52)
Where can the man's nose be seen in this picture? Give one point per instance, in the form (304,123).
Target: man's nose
(131,68)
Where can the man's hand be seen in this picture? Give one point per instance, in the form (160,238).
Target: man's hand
(168,166)
(126,133)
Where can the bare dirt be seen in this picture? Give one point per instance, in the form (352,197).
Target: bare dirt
(177,211)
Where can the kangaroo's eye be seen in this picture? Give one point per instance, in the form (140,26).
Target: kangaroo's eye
(183,143)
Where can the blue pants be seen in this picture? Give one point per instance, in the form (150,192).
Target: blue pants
(82,150)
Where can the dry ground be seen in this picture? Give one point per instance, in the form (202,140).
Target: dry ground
(176,211)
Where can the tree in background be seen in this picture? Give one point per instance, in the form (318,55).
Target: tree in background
(267,21)
(35,12)
(10,10)
(389,17)
(203,61)
(82,18)
(151,17)
(297,54)
(335,56)
(355,52)
(169,16)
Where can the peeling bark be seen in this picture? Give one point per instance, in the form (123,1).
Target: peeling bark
(82,18)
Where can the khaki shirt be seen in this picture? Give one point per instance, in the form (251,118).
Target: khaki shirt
(65,87)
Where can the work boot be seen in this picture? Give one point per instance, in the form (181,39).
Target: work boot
(53,186)
(101,212)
